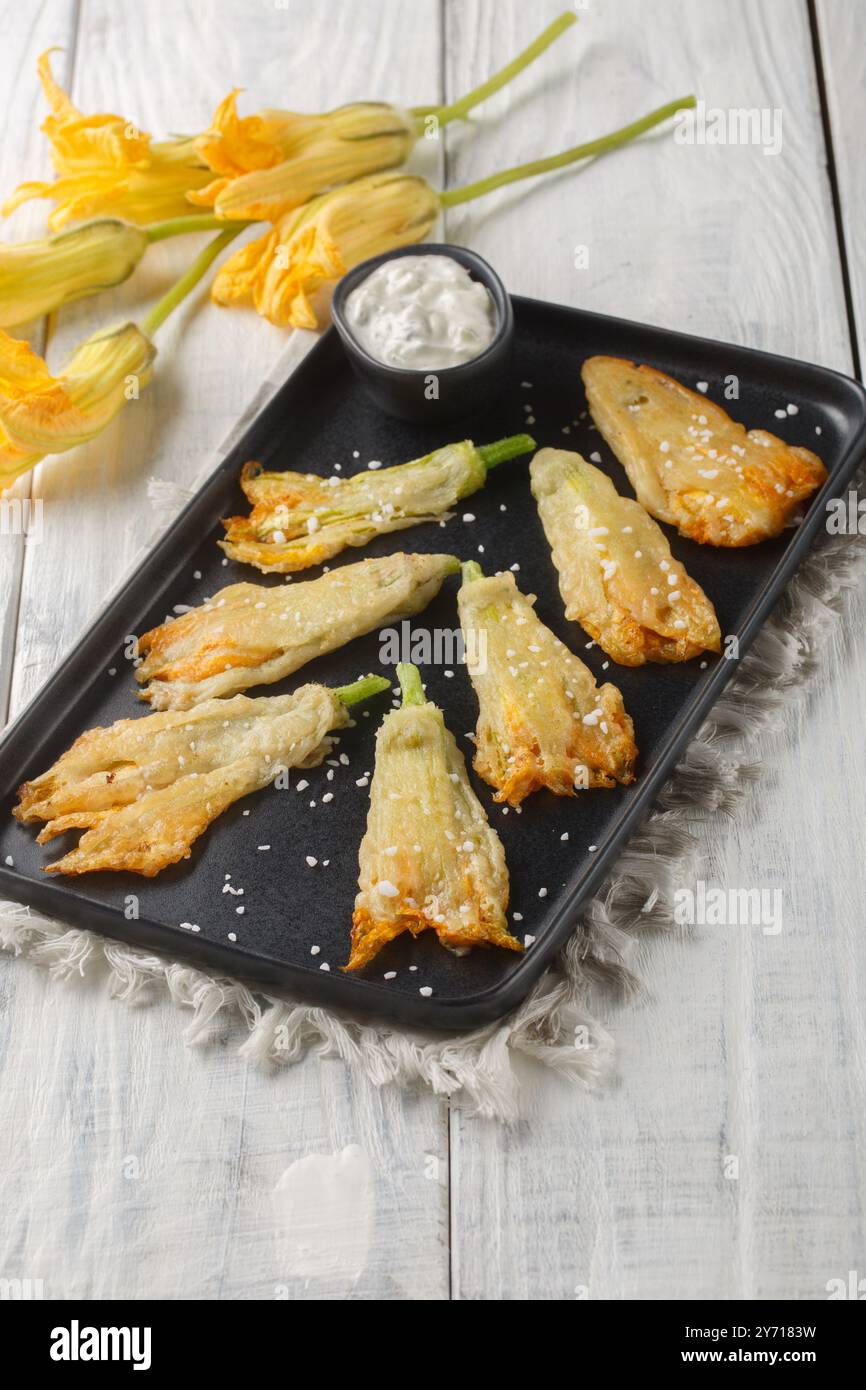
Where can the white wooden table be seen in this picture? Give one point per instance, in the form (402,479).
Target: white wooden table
(131,1167)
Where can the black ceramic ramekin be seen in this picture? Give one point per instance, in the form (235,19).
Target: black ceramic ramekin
(429,395)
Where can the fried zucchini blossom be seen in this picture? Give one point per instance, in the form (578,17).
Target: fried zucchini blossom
(144,790)
(543,721)
(690,464)
(251,635)
(617,575)
(303,519)
(429,858)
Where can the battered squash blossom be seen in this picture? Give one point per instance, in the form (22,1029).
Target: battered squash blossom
(690,464)
(302,519)
(543,721)
(104,164)
(39,276)
(429,858)
(144,790)
(42,414)
(617,575)
(248,634)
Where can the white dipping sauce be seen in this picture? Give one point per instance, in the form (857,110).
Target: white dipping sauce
(421,312)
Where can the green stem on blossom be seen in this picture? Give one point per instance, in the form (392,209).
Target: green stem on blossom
(459,110)
(197,222)
(452,196)
(188,281)
(410,684)
(471,571)
(504,449)
(361,689)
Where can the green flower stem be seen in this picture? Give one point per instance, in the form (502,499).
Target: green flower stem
(472,571)
(452,196)
(177,226)
(410,683)
(361,689)
(187,282)
(505,449)
(459,110)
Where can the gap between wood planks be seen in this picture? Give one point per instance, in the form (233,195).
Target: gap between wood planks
(835,194)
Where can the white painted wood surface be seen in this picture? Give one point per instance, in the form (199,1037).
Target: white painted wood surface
(131,1167)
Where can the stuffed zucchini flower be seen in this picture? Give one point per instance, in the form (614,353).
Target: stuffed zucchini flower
(251,635)
(429,858)
(302,519)
(104,164)
(617,575)
(144,790)
(543,721)
(42,414)
(690,463)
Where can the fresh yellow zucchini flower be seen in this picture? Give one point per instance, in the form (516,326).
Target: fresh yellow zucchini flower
(429,858)
(317,243)
(302,519)
(319,152)
(38,276)
(543,721)
(42,414)
(270,163)
(106,165)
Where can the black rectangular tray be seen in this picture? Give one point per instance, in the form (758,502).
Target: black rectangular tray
(319,418)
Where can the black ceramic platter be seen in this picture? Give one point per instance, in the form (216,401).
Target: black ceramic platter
(322,417)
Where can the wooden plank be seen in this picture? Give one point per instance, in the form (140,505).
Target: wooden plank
(840,29)
(211,1137)
(23,153)
(745,1045)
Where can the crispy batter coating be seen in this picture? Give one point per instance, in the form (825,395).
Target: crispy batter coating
(428,859)
(690,464)
(248,634)
(543,721)
(301,519)
(617,576)
(145,789)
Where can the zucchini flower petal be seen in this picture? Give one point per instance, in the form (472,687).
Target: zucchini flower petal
(105,165)
(617,575)
(38,276)
(42,414)
(429,858)
(301,519)
(543,721)
(317,243)
(144,790)
(248,634)
(235,145)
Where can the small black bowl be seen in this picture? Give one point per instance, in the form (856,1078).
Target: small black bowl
(429,395)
